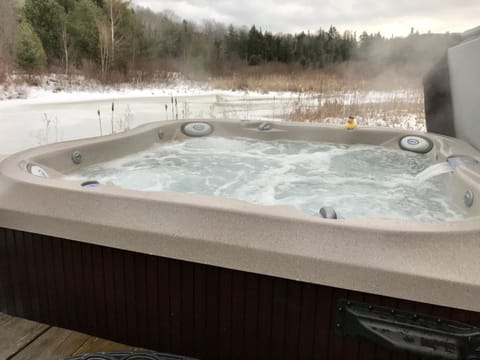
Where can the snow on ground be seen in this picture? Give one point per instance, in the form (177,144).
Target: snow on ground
(57,89)
(405,122)
(58,108)
(361,97)
(376,97)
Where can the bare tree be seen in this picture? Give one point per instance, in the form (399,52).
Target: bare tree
(104,42)
(115,12)
(8,28)
(65,42)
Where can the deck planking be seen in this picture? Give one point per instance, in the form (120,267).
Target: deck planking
(22,339)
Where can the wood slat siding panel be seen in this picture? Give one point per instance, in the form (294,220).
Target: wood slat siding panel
(99,290)
(131,305)
(307,322)
(181,307)
(119,296)
(79,283)
(69,284)
(11,289)
(32,277)
(54,308)
(292,319)
(24,308)
(250,346)
(3,273)
(151,301)
(163,337)
(323,322)
(141,296)
(89,297)
(199,315)
(109,293)
(175,291)
(212,305)
(41,279)
(265,314)
(225,314)
(187,308)
(238,315)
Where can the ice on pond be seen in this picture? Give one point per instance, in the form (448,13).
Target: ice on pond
(356,180)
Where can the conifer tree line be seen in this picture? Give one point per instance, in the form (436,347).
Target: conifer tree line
(105,37)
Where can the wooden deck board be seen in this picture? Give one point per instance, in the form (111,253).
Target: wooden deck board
(4,318)
(22,339)
(16,334)
(94,344)
(54,344)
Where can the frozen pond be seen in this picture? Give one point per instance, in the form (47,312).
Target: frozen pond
(29,123)
(67,116)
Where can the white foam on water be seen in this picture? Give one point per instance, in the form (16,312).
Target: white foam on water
(356,180)
(434,170)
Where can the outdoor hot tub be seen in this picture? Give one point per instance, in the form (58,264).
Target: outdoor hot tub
(93,239)
(211,276)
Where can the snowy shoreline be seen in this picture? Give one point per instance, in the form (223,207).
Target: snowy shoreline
(56,111)
(60,89)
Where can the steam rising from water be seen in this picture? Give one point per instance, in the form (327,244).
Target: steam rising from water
(356,180)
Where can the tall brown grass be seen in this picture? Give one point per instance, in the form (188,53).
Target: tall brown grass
(391,111)
(334,93)
(342,77)
(341,108)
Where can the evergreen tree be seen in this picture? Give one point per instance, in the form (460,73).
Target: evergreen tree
(128,38)
(231,44)
(67,5)
(28,50)
(269,46)
(255,46)
(115,37)
(243,45)
(82,27)
(46,19)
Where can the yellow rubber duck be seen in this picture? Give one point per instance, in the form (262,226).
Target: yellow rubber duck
(350,124)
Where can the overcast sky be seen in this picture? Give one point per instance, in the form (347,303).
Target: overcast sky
(390,17)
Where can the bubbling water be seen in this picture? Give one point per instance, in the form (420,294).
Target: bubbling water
(356,180)
(449,166)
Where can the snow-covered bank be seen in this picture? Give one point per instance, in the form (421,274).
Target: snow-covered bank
(60,89)
(56,109)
